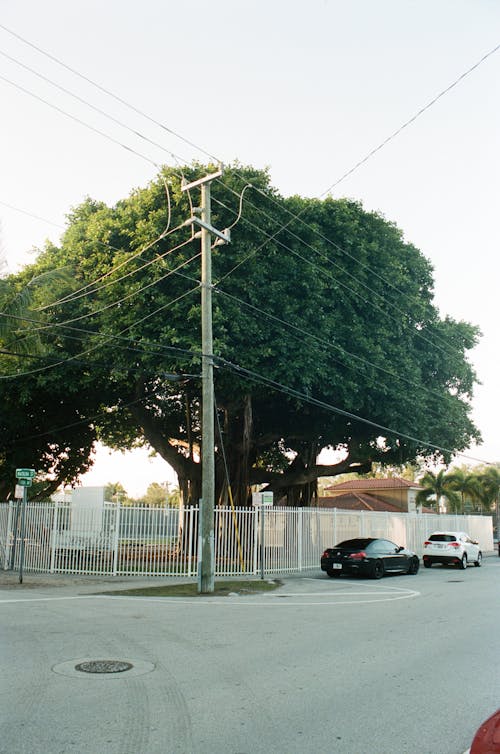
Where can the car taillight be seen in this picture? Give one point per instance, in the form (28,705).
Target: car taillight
(325,554)
(358,555)
(454,544)
(426,543)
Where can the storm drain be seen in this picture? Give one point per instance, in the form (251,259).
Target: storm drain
(455,581)
(103,670)
(104,666)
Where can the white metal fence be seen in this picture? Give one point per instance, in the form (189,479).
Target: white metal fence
(116,540)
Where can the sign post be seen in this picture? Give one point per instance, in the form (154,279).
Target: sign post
(23,522)
(24,479)
(262,500)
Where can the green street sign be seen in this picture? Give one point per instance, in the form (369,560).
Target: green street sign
(24,482)
(25,474)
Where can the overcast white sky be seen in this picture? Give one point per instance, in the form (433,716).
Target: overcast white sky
(306,88)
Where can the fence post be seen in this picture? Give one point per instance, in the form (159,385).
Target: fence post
(53,544)
(192,518)
(300,523)
(116,539)
(8,539)
(255,539)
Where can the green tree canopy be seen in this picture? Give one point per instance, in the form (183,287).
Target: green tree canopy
(325,335)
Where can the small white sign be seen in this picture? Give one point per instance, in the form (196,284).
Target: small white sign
(262,499)
(18,493)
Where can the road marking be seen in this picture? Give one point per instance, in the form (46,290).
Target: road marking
(46,599)
(289,599)
(346,593)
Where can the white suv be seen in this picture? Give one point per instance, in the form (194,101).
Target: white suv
(451,547)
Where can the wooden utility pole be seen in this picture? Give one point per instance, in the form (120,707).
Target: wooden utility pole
(206,559)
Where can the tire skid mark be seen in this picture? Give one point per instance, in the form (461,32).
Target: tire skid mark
(164,699)
(135,718)
(173,699)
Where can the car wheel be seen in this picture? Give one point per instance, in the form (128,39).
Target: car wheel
(479,560)
(334,574)
(378,569)
(427,563)
(414,566)
(463,563)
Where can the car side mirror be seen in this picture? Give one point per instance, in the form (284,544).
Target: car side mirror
(398,549)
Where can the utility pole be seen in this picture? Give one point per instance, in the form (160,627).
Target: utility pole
(206,559)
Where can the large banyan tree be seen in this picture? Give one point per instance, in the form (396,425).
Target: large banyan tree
(326,335)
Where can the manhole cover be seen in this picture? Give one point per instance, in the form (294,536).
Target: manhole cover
(86,668)
(103,666)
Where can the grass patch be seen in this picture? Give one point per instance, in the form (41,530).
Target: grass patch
(221,589)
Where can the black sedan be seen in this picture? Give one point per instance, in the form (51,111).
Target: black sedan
(368,557)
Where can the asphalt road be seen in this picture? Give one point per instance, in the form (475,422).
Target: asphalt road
(405,665)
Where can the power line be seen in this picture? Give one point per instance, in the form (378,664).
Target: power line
(83,101)
(299,332)
(118,339)
(133,293)
(94,348)
(108,92)
(411,120)
(31,214)
(323,271)
(204,151)
(392,136)
(80,293)
(289,326)
(296,216)
(256,377)
(78,120)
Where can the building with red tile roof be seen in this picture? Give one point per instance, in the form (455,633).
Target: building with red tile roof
(393,494)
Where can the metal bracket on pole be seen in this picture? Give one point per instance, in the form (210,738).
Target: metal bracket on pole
(206,179)
(224,236)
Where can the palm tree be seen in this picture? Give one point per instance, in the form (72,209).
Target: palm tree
(489,480)
(437,488)
(17,334)
(466,483)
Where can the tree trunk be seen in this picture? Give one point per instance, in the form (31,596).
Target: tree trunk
(238,430)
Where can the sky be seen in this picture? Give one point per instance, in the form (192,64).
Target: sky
(307,89)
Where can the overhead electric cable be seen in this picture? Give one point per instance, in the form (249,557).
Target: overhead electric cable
(132,294)
(337,281)
(94,348)
(198,148)
(131,256)
(212,157)
(146,138)
(79,120)
(299,332)
(108,92)
(31,214)
(411,120)
(109,337)
(82,292)
(84,102)
(256,377)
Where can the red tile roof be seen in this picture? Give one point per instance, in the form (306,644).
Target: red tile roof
(357,502)
(393,483)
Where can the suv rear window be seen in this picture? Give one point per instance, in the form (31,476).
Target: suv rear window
(442,538)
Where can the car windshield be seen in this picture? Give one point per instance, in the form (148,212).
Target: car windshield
(354,544)
(442,538)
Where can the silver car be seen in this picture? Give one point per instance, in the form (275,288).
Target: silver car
(451,548)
